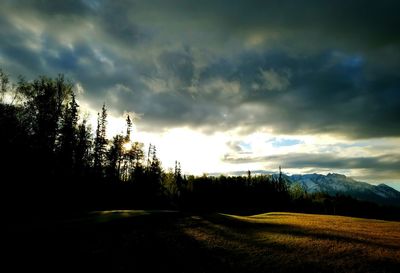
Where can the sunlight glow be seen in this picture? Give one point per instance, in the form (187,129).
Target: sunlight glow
(127,146)
(202,153)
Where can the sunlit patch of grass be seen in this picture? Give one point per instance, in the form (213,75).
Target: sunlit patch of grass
(108,215)
(293,240)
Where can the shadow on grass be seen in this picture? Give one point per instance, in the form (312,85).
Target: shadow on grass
(147,242)
(291,230)
(171,242)
(351,255)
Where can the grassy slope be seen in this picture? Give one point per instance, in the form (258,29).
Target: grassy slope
(125,241)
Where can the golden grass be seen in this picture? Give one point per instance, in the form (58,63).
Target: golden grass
(286,242)
(157,241)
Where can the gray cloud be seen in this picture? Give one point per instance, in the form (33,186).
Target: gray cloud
(384,166)
(292,66)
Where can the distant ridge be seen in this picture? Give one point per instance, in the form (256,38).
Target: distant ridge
(334,183)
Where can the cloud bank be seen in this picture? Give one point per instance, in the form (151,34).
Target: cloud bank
(289,66)
(284,67)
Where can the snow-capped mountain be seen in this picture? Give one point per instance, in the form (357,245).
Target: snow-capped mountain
(340,184)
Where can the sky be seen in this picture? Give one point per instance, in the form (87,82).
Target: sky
(225,86)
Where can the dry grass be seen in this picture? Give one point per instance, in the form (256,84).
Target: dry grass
(151,241)
(288,242)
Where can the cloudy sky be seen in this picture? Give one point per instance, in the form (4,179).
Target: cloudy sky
(227,86)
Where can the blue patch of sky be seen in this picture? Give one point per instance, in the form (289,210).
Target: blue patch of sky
(245,146)
(276,143)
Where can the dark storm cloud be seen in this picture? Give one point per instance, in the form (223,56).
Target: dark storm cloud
(329,92)
(13,47)
(117,20)
(332,92)
(51,8)
(293,66)
(178,64)
(389,163)
(366,23)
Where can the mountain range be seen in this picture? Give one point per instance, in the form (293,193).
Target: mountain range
(333,184)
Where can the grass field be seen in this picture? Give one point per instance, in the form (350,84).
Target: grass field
(159,241)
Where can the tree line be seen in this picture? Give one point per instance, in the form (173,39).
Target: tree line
(54,163)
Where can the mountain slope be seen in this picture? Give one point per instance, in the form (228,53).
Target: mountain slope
(340,184)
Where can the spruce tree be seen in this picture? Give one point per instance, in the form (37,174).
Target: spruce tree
(83,148)
(68,136)
(100,143)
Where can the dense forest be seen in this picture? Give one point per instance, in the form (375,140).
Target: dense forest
(54,163)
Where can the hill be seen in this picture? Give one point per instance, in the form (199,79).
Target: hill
(157,241)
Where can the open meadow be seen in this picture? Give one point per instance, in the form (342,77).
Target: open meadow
(169,241)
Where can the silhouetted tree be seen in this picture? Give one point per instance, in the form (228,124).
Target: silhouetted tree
(83,149)
(155,165)
(128,128)
(115,157)
(153,173)
(67,139)
(44,102)
(178,177)
(127,153)
(137,155)
(4,85)
(100,143)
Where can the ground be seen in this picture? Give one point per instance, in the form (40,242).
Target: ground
(170,241)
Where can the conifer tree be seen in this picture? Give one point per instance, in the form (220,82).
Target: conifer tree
(115,158)
(68,136)
(100,142)
(83,148)
(128,128)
